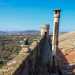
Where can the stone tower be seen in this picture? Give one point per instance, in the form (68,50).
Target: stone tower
(55,31)
(45,49)
(55,39)
(45,30)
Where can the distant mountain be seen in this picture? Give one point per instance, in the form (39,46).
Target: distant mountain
(27,32)
(3,33)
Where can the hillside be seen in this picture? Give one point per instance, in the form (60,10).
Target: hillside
(67,47)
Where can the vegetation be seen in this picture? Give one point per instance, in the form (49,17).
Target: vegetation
(9,48)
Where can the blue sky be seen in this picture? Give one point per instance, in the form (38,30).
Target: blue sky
(31,14)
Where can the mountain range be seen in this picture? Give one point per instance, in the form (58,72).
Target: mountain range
(31,32)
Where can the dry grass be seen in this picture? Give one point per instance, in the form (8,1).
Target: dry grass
(67,46)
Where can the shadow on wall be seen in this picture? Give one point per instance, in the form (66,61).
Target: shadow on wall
(23,68)
(65,67)
(27,66)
